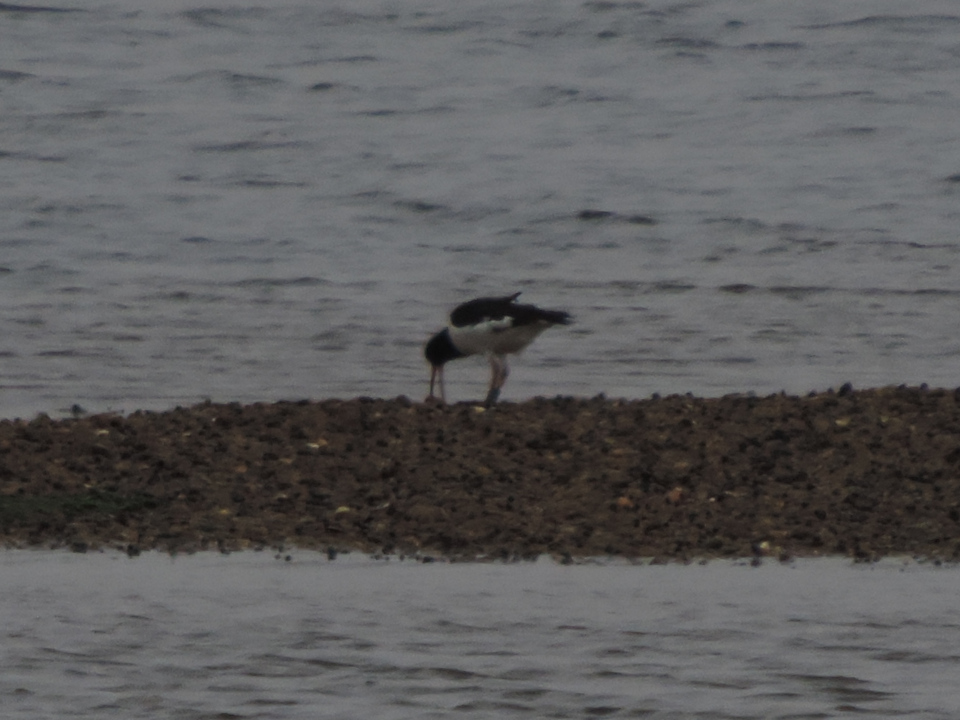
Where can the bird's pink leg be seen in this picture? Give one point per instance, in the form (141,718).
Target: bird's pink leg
(504,372)
(436,372)
(499,372)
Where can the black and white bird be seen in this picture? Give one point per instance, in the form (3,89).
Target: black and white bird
(493,326)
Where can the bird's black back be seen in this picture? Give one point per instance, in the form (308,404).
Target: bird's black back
(497,308)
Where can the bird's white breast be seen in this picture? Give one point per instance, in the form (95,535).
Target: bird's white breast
(497,337)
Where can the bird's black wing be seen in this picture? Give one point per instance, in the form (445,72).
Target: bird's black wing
(483,309)
(531,314)
(498,308)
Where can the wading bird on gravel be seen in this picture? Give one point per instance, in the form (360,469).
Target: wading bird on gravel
(493,326)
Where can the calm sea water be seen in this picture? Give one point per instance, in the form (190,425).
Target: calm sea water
(245,201)
(250,636)
(255,201)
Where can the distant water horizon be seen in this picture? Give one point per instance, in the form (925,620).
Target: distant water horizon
(249,204)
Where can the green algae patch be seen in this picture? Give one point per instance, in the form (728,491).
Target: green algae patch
(24,510)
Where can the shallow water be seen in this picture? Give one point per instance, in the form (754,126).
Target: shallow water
(236,202)
(253,636)
(218,199)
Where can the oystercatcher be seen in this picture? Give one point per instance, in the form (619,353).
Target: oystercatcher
(494,326)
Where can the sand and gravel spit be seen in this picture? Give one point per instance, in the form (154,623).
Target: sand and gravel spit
(856,473)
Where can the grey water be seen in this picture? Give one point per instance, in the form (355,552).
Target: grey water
(254,636)
(259,201)
(242,201)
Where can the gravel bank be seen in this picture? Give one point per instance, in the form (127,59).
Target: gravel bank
(856,473)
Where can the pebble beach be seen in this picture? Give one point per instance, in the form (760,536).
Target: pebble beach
(857,473)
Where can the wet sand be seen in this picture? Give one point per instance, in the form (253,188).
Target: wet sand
(853,473)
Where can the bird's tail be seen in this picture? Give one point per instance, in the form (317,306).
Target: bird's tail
(556,317)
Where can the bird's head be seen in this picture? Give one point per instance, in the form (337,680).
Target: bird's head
(439,350)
